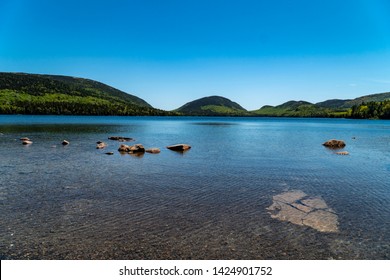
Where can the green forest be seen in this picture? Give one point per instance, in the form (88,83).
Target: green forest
(371,110)
(30,94)
(61,95)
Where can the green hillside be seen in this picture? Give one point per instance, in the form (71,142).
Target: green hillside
(348,103)
(212,106)
(368,106)
(297,109)
(22,93)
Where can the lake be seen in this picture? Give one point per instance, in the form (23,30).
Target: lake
(211,202)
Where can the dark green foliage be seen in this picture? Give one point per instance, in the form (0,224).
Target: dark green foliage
(60,95)
(299,109)
(212,106)
(371,110)
(368,106)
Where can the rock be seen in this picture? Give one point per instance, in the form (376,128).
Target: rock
(100,145)
(24,139)
(109,153)
(124,148)
(27,142)
(298,208)
(179,147)
(344,153)
(137,148)
(65,142)
(334,144)
(120,138)
(153,150)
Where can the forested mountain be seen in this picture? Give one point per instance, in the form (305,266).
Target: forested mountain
(299,109)
(368,106)
(22,93)
(212,106)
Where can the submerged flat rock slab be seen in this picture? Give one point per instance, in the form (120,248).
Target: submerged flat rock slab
(298,208)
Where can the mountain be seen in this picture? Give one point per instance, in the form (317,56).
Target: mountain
(292,109)
(334,103)
(212,106)
(348,103)
(328,108)
(22,93)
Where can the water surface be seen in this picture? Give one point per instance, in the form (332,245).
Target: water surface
(76,202)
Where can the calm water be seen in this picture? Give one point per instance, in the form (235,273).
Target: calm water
(75,202)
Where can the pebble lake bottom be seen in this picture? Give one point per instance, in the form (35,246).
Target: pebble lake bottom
(219,200)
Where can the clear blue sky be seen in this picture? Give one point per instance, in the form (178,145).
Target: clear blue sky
(172,52)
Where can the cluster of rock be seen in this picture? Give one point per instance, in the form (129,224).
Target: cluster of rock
(136,149)
(139,148)
(336,144)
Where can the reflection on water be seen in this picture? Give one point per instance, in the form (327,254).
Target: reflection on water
(214,123)
(75,202)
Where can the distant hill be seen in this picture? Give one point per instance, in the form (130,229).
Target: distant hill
(292,109)
(348,103)
(22,93)
(212,106)
(328,108)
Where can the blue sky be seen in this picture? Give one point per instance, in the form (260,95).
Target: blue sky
(172,52)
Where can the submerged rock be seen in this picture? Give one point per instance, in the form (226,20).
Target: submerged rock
(179,147)
(120,138)
(27,142)
(65,142)
(298,208)
(344,153)
(153,150)
(334,144)
(100,145)
(24,139)
(109,153)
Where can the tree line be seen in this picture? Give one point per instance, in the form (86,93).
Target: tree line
(371,110)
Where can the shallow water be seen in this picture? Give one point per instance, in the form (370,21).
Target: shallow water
(75,202)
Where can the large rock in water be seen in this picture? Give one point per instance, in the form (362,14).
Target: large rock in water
(334,144)
(298,208)
(124,148)
(137,148)
(179,147)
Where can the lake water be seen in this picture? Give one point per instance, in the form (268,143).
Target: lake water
(76,202)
